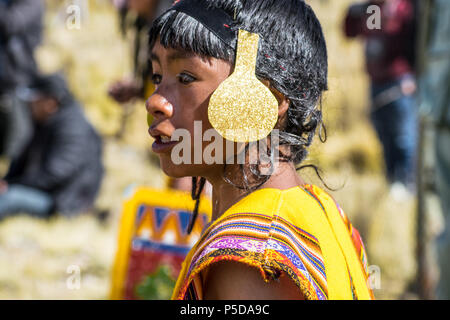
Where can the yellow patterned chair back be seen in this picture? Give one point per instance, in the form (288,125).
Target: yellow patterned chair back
(152,234)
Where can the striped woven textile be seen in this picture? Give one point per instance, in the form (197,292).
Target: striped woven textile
(271,246)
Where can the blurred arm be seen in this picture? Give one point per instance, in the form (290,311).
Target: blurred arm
(236,281)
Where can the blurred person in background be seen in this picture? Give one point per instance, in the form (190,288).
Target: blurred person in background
(60,170)
(20,34)
(389,53)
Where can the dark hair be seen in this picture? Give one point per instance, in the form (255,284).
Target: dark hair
(292,55)
(54,86)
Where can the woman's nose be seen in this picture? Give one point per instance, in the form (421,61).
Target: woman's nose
(158,106)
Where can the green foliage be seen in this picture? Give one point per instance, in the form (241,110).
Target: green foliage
(158,286)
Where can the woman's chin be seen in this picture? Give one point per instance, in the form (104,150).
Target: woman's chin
(175,171)
(184,170)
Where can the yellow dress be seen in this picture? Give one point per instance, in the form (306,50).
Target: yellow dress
(299,231)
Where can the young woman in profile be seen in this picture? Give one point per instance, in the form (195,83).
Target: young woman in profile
(271,236)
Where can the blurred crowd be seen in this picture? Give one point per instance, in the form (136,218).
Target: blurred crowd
(55,153)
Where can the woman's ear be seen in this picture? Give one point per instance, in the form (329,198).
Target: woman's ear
(283,107)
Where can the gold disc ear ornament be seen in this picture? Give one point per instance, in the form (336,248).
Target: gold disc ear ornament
(243,109)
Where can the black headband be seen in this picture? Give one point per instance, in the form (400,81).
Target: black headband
(215,19)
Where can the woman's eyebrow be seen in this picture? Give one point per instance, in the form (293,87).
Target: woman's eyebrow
(175,55)
(154,57)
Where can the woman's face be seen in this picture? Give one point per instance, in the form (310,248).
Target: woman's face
(184,84)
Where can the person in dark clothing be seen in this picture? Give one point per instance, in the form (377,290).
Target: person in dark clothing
(20,34)
(60,170)
(389,52)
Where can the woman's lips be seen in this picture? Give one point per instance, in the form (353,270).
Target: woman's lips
(162,147)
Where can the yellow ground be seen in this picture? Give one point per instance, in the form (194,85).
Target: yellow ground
(35,255)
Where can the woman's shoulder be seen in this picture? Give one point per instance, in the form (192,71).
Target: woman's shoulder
(272,202)
(260,218)
(298,209)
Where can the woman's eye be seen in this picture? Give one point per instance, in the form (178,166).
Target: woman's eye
(185,78)
(156,78)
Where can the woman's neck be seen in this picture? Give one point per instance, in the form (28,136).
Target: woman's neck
(224,194)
